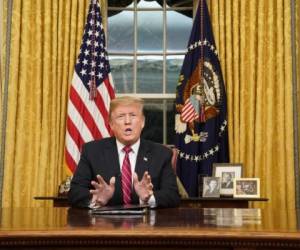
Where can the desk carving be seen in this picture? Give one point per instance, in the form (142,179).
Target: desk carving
(205,239)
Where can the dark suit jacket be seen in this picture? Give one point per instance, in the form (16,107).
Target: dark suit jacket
(227,184)
(101,157)
(212,193)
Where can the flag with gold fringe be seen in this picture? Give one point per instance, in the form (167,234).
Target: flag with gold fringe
(91,90)
(201,112)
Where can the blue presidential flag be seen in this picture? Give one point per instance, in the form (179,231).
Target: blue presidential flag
(201,114)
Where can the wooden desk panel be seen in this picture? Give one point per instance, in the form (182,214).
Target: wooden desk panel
(223,202)
(60,201)
(177,228)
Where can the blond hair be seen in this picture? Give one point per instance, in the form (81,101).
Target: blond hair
(125,101)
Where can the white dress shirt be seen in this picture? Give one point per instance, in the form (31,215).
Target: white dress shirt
(132,158)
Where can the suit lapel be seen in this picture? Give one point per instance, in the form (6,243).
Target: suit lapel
(142,165)
(142,161)
(112,157)
(112,162)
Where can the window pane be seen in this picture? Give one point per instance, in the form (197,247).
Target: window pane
(178,31)
(120,32)
(180,3)
(150,31)
(118,3)
(170,121)
(148,4)
(122,73)
(149,74)
(153,129)
(174,64)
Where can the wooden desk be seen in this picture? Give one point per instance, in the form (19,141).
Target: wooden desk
(222,202)
(59,201)
(175,228)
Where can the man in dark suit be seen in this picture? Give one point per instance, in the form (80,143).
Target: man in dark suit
(98,180)
(227,180)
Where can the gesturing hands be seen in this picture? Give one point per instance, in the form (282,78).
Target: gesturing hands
(143,188)
(102,191)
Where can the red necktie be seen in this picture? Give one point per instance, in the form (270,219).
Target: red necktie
(126,176)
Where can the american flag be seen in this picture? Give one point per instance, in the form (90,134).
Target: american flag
(91,90)
(190,111)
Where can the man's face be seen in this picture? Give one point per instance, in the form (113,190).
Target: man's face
(127,123)
(226,177)
(213,184)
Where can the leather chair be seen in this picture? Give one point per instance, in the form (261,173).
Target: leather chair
(181,189)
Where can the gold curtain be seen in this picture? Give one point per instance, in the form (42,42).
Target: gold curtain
(2,32)
(297,10)
(254,43)
(45,40)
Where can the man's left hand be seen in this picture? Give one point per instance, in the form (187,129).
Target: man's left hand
(143,188)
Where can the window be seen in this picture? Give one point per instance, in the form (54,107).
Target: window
(146,45)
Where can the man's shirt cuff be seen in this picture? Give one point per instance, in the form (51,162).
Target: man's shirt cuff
(151,202)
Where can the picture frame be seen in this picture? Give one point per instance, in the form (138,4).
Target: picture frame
(211,187)
(246,188)
(227,172)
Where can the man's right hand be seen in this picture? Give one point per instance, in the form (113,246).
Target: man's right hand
(102,191)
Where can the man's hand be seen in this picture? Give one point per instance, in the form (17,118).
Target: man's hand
(102,191)
(143,188)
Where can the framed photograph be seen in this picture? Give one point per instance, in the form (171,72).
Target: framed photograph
(227,172)
(246,188)
(211,187)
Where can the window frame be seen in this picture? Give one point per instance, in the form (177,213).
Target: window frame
(164,96)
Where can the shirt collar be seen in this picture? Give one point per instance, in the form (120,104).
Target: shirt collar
(134,147)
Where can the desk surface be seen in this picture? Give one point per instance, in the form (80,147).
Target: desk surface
(222,228)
